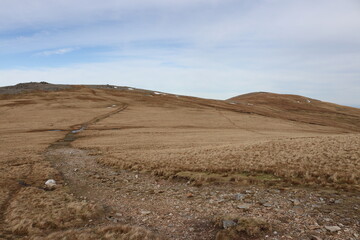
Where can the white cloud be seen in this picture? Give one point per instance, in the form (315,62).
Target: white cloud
(60,51)
(309,47)
(217,82)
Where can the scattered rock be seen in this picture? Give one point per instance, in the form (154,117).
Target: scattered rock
(189,195)
(295,202)
(244,206)
(228,224)
(274,191)
(239,196)
(142,212)
(332,228)
(50,184)
(313,237)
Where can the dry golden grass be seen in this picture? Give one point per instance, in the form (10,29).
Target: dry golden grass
(327,160)
(299,108)
(34,210)
(26,208)
(199,139)
(197,143)
(119,232)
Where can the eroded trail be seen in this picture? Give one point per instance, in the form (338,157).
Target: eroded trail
(176,209)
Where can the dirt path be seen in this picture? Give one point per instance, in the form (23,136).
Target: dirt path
(176,209)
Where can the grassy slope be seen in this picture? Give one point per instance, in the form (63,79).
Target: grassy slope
(299,108)
(169,133)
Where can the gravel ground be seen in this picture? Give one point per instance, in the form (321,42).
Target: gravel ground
(177,210)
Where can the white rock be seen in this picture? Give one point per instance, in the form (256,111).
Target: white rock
(50,183)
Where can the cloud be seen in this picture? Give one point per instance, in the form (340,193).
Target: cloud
(309,47)
(217,82)
(60,51)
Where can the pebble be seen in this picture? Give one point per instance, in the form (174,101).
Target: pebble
(295,202)
(189,195)
(332,228)
(239,196)
(313,237)
(228,224)
(244,206)
(50,184)
(144,212)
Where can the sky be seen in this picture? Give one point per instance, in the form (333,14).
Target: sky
(205,48)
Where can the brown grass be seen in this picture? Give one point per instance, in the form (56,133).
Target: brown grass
(119,232)
(332,160)
(299,108)
(34,210)
(170,136)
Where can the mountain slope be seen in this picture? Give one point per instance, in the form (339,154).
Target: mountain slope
(299,108)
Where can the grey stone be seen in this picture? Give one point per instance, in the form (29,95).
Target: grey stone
(142,212)
(244,206)
(295,202)
(239,196)
(228,223)
(332,228)
(313,237)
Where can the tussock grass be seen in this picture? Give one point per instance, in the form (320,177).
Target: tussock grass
(119,232)
(324,161)
(34,211)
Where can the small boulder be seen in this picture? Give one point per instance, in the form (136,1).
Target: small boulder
(332,228)
(228,224)
(50,184)
(244,206)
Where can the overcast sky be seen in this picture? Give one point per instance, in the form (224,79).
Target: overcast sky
(206,48)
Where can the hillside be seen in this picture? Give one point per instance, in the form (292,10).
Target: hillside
(138,164)
(299,108)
